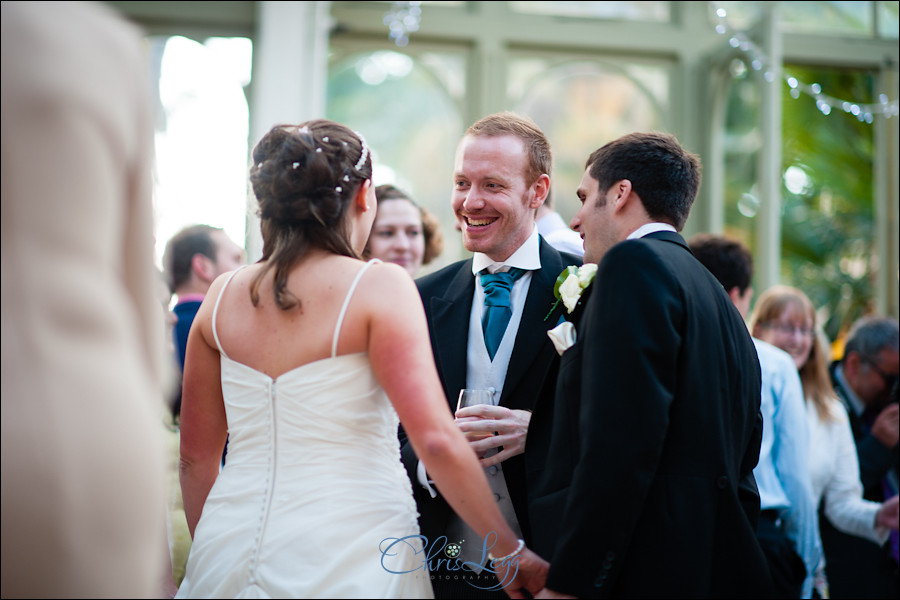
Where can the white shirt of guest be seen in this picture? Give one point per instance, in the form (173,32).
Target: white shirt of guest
(835,474)
(559,235)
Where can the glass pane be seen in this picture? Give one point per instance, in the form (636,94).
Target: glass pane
(407,108)
(828,17)
(582,105)
(828,234)
(828,242)
(201,136)
(888,20)
(844,18)
(631,11)
(742,143)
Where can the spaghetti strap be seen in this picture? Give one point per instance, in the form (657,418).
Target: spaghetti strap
(216,309)
(340,321)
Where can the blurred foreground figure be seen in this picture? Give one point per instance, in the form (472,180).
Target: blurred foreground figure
(82,476)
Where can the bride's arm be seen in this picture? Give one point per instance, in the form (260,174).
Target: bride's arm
(203,424)
(401,357)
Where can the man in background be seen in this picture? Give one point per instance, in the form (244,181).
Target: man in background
(864,379)
(788,526)
(193,258)
(554,229)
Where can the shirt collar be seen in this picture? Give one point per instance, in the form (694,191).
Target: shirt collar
(190,298)
(855,403)
(648,228)
(527,257)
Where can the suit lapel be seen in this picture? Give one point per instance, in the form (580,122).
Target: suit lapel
(450,314)
(532,334)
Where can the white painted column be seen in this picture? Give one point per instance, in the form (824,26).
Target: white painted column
(290,61)
(768,227)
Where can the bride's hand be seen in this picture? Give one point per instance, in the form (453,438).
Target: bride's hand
(530,573)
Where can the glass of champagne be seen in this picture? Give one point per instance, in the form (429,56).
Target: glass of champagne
(472,397)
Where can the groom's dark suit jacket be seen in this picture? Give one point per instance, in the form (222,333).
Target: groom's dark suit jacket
(640,470)
(447,297)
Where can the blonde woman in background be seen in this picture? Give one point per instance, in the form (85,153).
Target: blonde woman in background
(785,317)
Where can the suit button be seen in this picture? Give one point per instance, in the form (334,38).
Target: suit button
(610,556)
(607,565)
(722,482)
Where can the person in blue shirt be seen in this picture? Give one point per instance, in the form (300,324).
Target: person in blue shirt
(193,258)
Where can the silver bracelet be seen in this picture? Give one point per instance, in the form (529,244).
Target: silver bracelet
(512,554)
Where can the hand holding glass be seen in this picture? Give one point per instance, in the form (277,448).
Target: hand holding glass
(473,397)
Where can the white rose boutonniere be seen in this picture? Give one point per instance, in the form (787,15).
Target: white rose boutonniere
(570,285)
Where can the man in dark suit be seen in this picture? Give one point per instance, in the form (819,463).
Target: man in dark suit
(501,178)
(640,471)
(864,379)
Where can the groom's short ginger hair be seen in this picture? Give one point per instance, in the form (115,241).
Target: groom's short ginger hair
(664,175)
(537,146)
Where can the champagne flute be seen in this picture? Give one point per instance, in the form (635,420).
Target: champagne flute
(473,397)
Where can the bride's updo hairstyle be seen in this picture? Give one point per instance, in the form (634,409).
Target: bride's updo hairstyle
(304,177)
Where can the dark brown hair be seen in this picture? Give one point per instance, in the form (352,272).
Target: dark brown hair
(304,178)
(664,175)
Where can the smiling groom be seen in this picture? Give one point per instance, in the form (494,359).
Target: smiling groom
(501,177)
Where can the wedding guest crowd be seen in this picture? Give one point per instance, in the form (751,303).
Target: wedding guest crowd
(785,317)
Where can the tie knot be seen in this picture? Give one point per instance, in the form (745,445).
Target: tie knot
(497,286)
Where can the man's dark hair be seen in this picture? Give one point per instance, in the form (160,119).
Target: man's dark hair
(180,251)
(664,175)
(727,259)
(870,335)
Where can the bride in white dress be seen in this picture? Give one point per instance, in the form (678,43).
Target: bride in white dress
(306,359)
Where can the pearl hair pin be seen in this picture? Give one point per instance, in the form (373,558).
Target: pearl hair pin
(364,153)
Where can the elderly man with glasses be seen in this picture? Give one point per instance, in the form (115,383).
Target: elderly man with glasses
(865,380)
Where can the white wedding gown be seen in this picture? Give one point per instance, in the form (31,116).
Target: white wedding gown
(313,491)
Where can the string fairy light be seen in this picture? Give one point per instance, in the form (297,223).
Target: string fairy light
(761,63)
(403,19)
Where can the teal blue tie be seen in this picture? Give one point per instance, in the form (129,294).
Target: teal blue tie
(497,310)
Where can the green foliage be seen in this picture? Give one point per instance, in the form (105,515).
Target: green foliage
(828,238)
